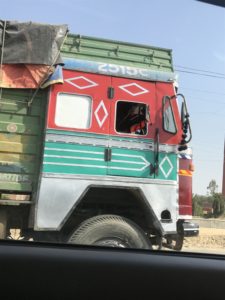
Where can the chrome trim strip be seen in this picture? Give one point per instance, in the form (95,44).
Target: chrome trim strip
(106,178)
(93,141)
(50,137)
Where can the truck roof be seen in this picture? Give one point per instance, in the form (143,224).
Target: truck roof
(117,53)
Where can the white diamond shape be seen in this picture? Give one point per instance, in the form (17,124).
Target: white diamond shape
(101,106)
(161,166)
(142,90)
(91,83)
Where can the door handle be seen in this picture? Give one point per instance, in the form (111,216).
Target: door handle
(108,154)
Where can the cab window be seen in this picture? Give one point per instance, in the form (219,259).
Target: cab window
(73,111)
(131,118)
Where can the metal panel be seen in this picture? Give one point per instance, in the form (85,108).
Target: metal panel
(52,211)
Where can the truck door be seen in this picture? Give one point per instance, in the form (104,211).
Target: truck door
(169,134)
(131,145)
(78,125)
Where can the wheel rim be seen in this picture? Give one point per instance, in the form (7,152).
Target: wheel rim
(112,242)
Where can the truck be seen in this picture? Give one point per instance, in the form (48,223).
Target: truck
(100,157)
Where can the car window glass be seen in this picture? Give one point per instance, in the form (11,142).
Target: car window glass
(75,165)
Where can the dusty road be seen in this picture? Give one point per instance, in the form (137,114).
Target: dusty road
(210,240)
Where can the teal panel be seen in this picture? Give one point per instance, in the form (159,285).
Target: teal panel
(132,163)
(64,158)
(167,166)
(72,158)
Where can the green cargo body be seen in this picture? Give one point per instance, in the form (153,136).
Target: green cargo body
(21,139)
(117,52)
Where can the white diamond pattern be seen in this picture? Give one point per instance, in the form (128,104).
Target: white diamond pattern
(162,165)
(101,106)
(89,83)
(140,89)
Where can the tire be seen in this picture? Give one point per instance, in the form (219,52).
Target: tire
(179,237)
(110,231)
(176,241)
(3,223)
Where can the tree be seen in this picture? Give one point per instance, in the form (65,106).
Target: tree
(196,206)
(212,187)
(218,205)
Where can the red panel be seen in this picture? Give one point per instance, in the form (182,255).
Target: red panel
(104,109)
(185,189)
(80,83)
(166,89)
(133,91)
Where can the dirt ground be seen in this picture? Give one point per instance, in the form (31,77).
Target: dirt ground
(209,239)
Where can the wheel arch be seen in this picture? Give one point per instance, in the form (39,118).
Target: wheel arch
(128,202)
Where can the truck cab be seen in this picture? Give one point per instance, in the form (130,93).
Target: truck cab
(108,149)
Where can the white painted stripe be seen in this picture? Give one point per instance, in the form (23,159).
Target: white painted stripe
(127,155)
(77,151)
(139,89)
(74,157)
(75,165)
(91,83)
(129,162)
(131,155)
(144,161)
(128,169)
(94,166)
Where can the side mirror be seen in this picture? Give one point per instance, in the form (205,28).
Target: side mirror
(169,124)
(183,113)
(185,123)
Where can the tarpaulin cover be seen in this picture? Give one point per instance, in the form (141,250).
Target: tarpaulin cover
(31,43)
(55,77)
(24,76)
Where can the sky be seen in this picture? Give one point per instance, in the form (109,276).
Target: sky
(195,31)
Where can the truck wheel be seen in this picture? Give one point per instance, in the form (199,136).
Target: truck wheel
(110,231)
(179,236)
(3,223)
(176,242)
